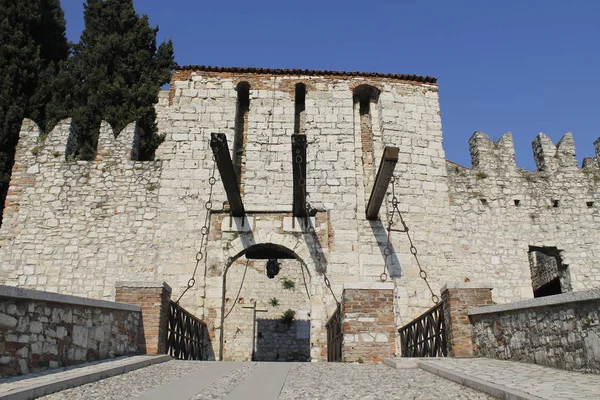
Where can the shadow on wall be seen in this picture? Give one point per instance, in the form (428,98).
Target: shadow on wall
(278,341)
(393,268)
(208,354)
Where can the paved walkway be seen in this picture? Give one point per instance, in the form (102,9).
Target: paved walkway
(521,380)
(176,380)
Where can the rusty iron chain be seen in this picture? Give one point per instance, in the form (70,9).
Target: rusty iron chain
(200,255)
(311,229)
(413,250)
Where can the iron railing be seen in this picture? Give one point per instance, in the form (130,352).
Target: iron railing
(334,337)
(425,336)
(185,337)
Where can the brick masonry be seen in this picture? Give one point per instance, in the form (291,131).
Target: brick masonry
(368,324)
(154,301)
(457,299)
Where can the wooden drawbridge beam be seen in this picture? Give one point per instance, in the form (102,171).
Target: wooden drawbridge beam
(382,181)
(218,144)
(299,175)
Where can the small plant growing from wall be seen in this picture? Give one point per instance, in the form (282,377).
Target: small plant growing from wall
(288,284)
(287,318)
(481,175)
(274,302)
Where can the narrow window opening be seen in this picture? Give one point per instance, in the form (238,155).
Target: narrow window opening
(589,204)
(549,276)
(365,99)
(300,109)
(555,203)
(484,202)
(517,203)
(241,123)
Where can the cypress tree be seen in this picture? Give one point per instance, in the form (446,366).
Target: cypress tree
(33,46)
(115,74)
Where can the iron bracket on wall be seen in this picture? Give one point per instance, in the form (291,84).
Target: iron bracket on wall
(382,181)
(218,143)
(299,173)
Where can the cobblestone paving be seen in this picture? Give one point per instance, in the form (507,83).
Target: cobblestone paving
(536,380)
(305,381)
(355,381)
(131,384)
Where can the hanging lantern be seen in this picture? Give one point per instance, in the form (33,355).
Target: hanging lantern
(272,268)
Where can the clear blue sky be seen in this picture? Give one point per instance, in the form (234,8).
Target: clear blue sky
(525,66)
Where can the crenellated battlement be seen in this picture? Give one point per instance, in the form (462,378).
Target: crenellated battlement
(495,183)
(62,142)
(550,157)
(491,156)
(498,158)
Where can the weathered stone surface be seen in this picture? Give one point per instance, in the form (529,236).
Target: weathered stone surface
(78,227)
(7,322)
(40,339)
(560,334)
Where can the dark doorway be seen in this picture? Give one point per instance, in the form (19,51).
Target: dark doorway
(549,275)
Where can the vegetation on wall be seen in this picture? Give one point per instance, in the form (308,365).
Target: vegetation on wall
(288,284)
(288,317)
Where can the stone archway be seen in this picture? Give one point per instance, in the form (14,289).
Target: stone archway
(262,318)
(227,247)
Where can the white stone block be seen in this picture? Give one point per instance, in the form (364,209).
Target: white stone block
(237,224)
(294,224)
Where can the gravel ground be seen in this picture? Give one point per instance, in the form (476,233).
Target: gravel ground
(355,381)
(314,381)
(131,384)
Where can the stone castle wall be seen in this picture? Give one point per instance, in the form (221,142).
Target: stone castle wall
(499,211)
(79,227)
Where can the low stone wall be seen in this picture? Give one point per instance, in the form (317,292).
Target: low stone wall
(40,330)
(561,331)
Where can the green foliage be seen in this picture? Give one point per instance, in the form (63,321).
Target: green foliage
(33,46)
(287,317)
(480,175)
(360,360)
(115,74)
(288,284)
(274,302)
(151,187)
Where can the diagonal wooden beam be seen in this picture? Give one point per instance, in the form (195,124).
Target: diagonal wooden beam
(218,143)
(299,175)
(382,181)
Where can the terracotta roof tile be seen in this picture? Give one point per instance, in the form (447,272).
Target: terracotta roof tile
(405,77)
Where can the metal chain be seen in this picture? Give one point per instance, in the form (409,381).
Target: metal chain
(311,229)
(413,250)
(204,230)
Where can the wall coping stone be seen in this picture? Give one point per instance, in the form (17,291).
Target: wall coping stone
(564,298)
(30,294)
(142,284)
(466,285)
(369,285)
